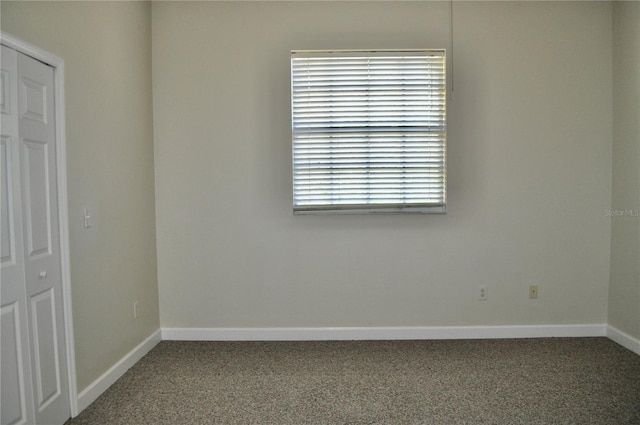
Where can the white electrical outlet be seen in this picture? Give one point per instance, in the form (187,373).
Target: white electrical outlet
(483,292)
(135,310)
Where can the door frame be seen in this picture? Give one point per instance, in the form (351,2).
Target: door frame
(63,212)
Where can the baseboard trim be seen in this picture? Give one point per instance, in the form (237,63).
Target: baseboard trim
(624,339)
(100,385)
(382,333)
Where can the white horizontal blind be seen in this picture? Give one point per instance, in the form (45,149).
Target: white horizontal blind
(369,131)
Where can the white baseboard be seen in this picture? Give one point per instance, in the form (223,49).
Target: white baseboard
(382,333)
(623,339)
(100,385)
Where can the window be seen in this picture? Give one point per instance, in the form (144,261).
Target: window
(369,131)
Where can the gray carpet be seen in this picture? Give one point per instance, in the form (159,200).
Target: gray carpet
(526,381)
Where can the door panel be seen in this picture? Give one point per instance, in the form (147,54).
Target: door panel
(43,271)
(16,391)
(45,350)
(7,237)
(35,102)
(36,201)
(14,406)
(5,91)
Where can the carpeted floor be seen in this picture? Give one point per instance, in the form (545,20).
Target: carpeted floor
(525,381)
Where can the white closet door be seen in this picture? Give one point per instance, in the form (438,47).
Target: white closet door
(16,392)
(43,270)
(33,238)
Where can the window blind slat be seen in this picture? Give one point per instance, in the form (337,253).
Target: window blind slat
(369,131)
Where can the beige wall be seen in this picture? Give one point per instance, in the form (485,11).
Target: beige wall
(530,134)
(107,52)
(624,290)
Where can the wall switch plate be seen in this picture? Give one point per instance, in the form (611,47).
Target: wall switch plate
(533,292)
(86,216)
